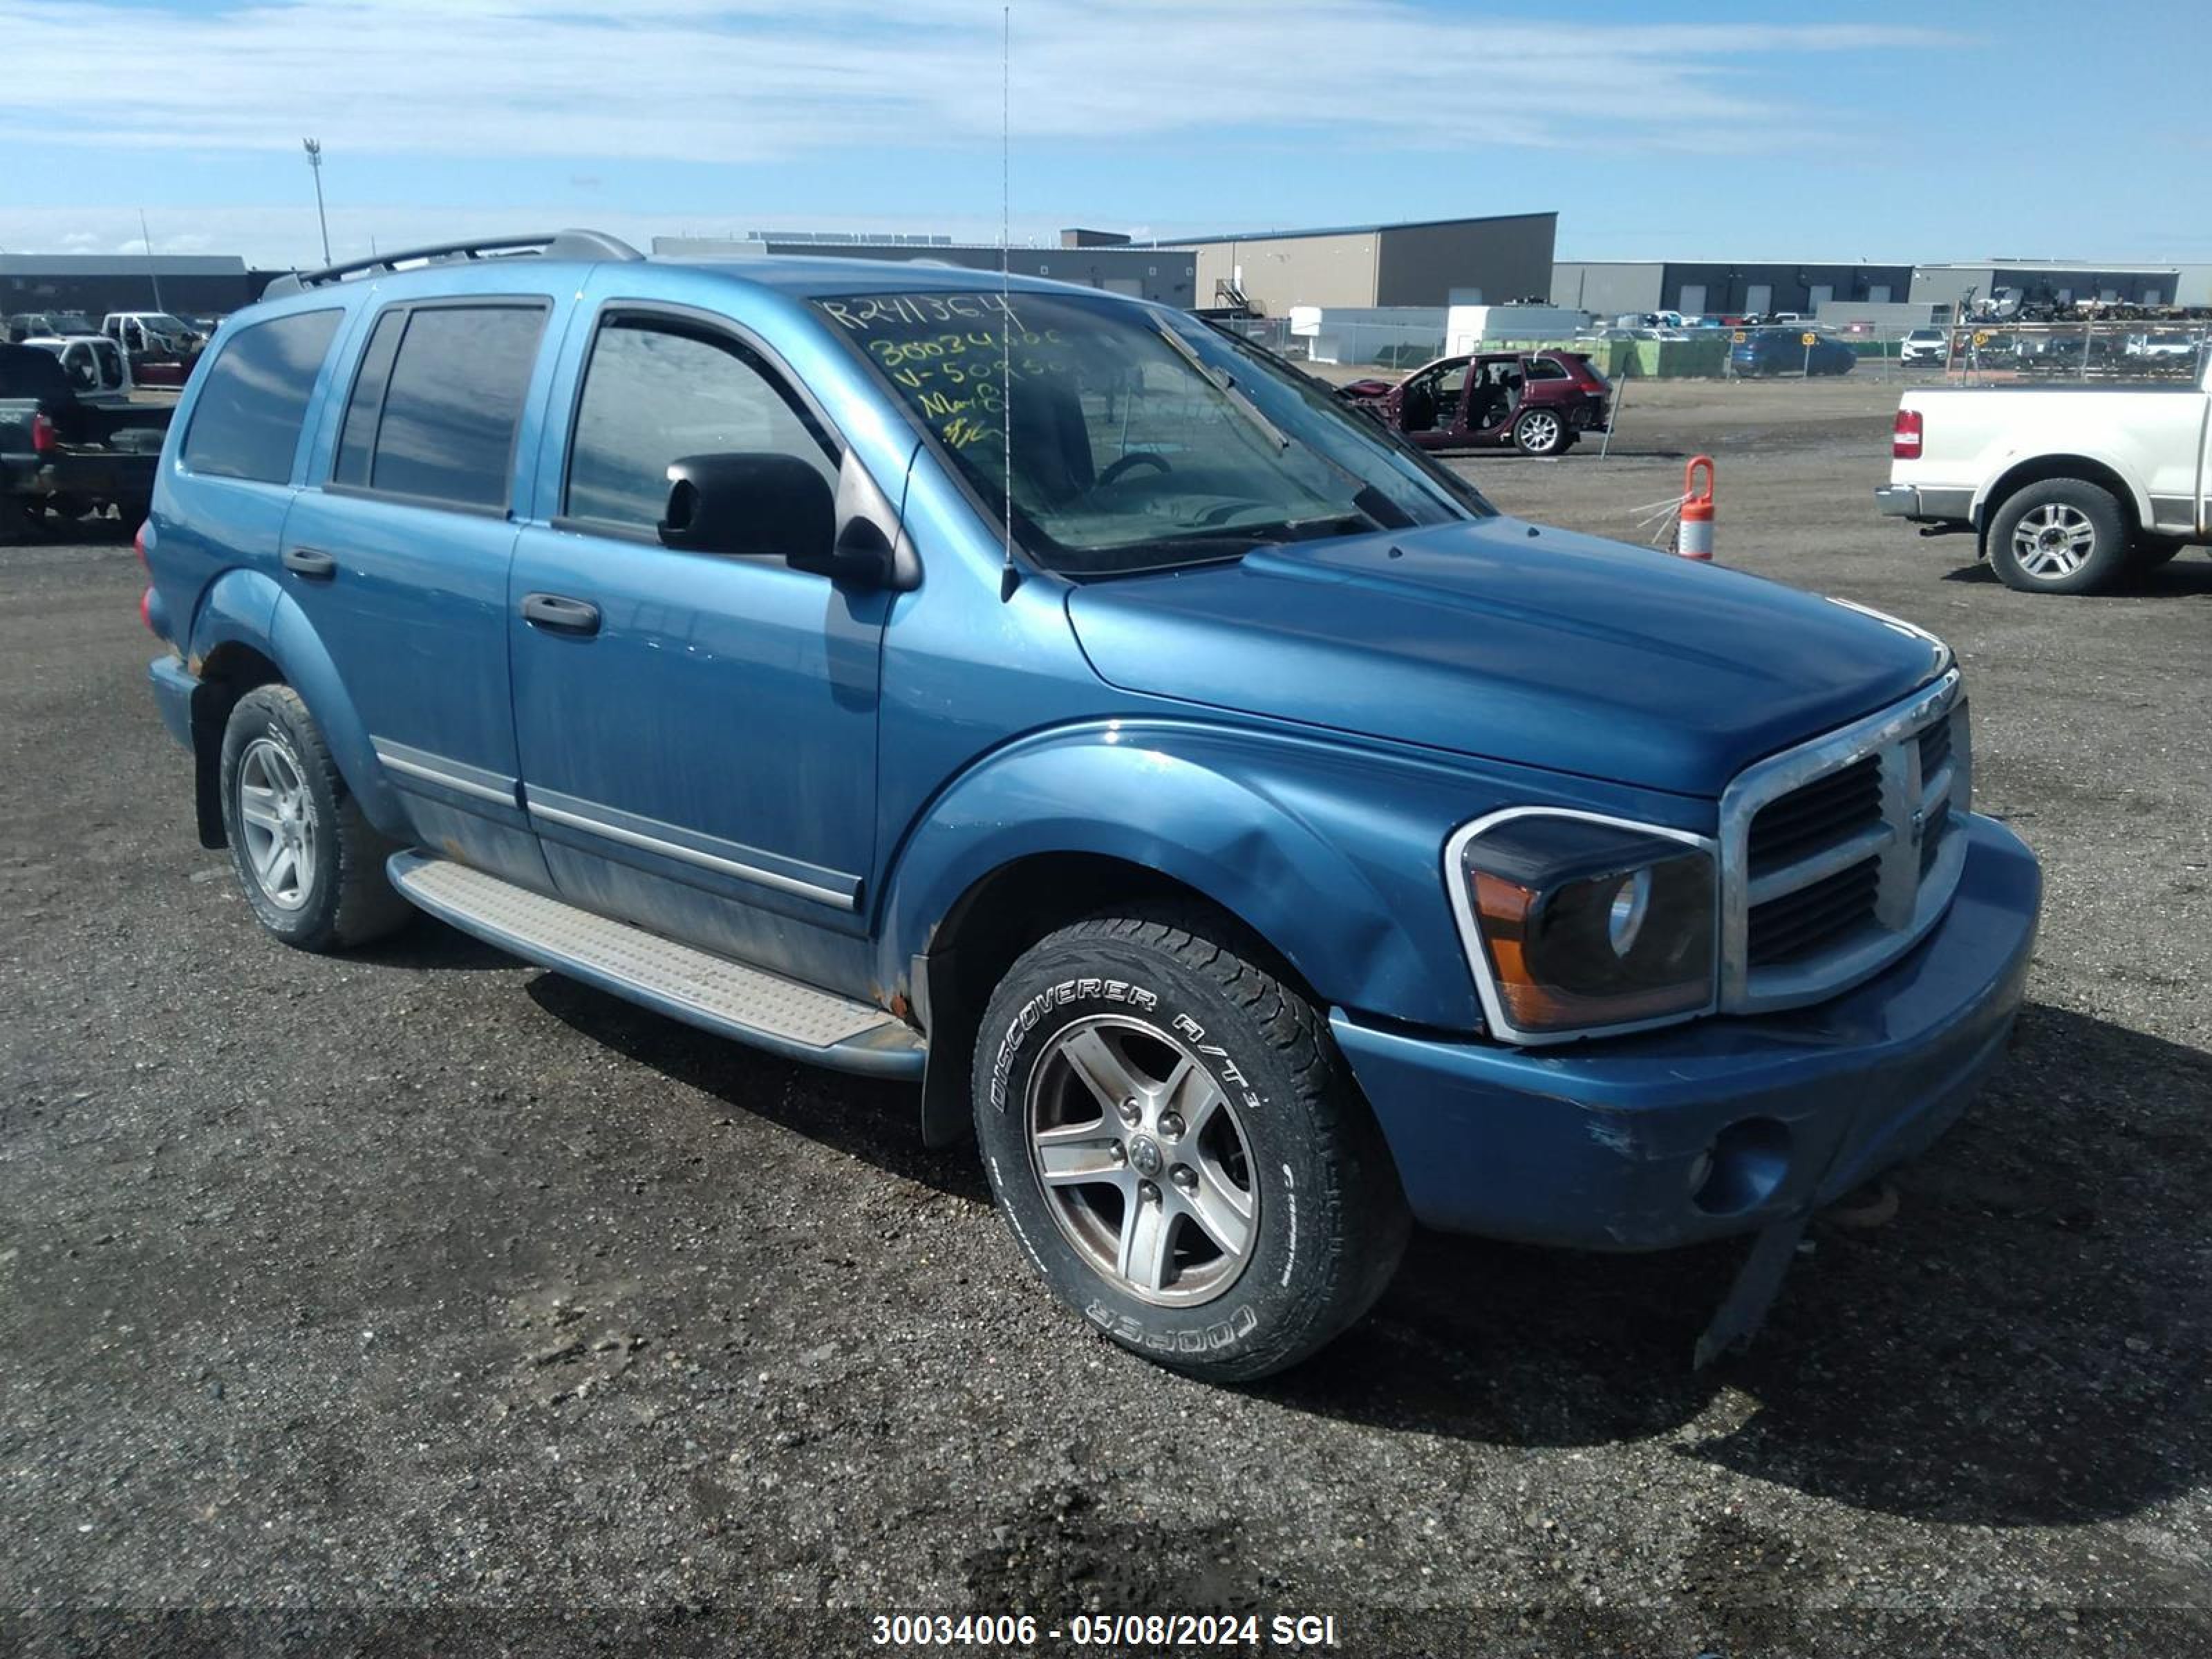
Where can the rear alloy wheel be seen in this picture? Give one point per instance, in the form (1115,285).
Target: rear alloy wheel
(1540,432)
(1176,1144)
(277,819)
(308,859)
(2060,536)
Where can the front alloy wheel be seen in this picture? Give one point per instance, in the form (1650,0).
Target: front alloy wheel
(1143,1161)
(1177,1147)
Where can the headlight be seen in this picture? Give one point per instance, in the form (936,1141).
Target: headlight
(1577,925)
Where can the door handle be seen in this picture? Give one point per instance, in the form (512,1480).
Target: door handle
(314,565)
(561,614)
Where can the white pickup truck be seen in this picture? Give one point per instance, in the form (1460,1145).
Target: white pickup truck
(2067,486)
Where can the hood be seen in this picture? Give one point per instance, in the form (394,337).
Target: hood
(1500,640)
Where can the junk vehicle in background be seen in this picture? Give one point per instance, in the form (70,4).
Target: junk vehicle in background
(1538,402)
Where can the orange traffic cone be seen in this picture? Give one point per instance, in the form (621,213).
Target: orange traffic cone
(1694,538)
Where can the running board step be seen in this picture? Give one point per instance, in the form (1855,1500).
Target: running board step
(707,990)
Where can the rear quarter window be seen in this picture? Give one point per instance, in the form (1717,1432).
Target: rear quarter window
(246,421)
(435,419)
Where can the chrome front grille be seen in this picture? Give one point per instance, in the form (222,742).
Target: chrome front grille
(1816,814)
(1802,923)
(1837,856)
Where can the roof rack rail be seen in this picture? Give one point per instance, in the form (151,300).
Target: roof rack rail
(559,244)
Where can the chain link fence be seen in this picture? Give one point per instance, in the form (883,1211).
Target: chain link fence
(2136,352)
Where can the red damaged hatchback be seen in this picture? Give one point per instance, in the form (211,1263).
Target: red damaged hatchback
(1538,402)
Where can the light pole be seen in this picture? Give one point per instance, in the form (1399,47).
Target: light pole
(314,148)
(146,241)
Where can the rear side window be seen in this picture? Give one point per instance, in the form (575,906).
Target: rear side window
(357,440)
(246,421)
(436,406)
(652,394)
(1543,369)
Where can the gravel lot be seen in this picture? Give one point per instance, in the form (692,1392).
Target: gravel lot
(425,1278)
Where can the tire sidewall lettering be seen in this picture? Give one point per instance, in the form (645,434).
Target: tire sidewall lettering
(1115,993)
(1235,1318)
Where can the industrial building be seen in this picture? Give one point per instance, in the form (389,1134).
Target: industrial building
(194,285)
(1725,288)
(1088,259)
(1430,261)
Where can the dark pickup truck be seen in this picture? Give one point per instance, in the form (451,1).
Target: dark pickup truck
(64,456)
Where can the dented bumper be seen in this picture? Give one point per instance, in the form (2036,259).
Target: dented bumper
(1727,1126)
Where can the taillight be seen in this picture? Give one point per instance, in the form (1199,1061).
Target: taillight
(44,439)
(138,546)
(146,610)
(1904,435)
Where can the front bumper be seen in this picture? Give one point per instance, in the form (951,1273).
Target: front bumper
(1924,506)
(1726,1126)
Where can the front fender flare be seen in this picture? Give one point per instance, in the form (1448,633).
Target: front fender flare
(1329,856)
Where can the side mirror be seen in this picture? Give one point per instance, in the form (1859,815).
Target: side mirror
(749,506)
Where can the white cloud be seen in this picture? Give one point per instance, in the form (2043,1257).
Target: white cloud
(275,238)
(722,81)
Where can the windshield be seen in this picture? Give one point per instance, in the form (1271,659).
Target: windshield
(1140,439)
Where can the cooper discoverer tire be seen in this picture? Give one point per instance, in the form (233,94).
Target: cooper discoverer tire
(311,864)
(1176,1145)
(2059,536)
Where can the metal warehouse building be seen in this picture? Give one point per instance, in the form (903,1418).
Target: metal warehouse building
(1727,288)
(190,285)
(1162,274)
(1430,261)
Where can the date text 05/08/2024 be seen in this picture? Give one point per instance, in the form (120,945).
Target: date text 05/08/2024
(1136,1630)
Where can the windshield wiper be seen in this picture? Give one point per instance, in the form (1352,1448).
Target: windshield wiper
(1380,512)
(1225,383)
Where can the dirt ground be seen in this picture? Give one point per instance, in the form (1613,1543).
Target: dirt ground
(423,1280)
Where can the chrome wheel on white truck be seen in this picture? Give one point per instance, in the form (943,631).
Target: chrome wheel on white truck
(2060,536)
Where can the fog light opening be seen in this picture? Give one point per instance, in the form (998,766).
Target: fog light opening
(1742,1167)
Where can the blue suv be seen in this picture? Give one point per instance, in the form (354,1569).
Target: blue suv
(1252,838)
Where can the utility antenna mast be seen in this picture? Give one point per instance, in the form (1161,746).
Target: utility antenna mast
(1009,575)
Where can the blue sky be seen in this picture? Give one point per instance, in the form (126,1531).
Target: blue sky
(1702,128)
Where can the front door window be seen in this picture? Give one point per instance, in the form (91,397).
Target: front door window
(653,395)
